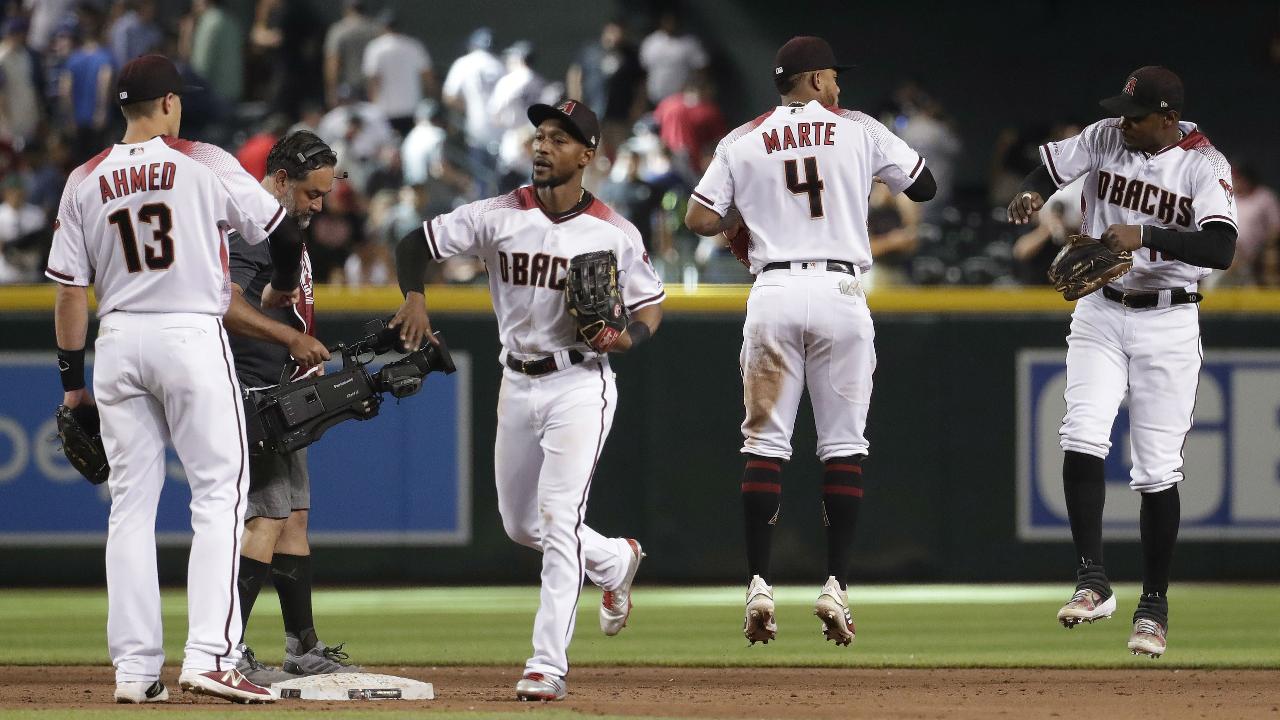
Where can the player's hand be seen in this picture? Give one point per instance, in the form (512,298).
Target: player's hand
(1123,238)
(307,351)
(76,398)
(1024,205)
(413,322)
(273,298)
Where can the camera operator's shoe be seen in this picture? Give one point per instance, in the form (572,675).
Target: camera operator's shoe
(1092,600)
(319,660)
(759,624)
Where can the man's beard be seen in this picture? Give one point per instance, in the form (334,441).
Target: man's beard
(291,208)
(552,181)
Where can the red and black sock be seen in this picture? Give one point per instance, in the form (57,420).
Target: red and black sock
(1085,489)
(1158,521)
(253,573)
(841,498)
(761,498)
(292,577)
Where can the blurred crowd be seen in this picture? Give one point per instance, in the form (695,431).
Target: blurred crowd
(417,136)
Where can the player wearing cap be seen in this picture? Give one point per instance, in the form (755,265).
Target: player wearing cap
(1156,187)
(558,395)
(146,222)
(799,177)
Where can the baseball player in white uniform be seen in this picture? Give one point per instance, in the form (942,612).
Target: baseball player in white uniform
(1154,186)
(146,221)
(799,176)
(558,397)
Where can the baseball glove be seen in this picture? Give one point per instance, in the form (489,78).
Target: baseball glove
(740,244)
(593,299)
(80,431)
(1084,264)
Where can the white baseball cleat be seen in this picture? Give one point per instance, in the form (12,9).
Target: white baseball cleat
(141,692)
(832,608)
(226,684)
(540,686)
(759,624)
(1148,638)
(1086,605)
(615,608)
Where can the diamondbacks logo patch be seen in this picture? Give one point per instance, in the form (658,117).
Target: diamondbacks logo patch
(1230,191)
(567,107)
(1130,85)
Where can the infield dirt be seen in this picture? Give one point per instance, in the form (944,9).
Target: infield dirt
(751,692)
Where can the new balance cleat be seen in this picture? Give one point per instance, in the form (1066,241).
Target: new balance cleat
(832,608)
(540,686)
(225,684)
(1148,638)
(141,692)
(615,608)
(759,625)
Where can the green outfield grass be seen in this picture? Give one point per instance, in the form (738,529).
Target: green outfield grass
(1212,626)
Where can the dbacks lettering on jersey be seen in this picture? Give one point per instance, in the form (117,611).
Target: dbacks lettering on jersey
(539,270)
(1146,198)
(807,134)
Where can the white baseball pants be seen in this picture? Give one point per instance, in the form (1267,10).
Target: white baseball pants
(169,377)
(1154,356)
(551,430)
(807,326)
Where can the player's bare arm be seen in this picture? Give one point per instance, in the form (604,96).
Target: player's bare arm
(71,326)
(1122,238)
(244,319)
(707,222)
(411,267)
(644,323)
(1037,186)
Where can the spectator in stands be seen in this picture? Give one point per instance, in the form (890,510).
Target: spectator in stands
(46,17)
(86,90)
(922,124)
(253,153)
(607,76)
(670,57)
(422,151)
(20,106)
(893,226)
(44,166)
(397,70)
(520,88)
(215,45)
(356,130)
(1059,218)
(334,233)
(344,47)
(1258,217)
(24,234)
(467,88)
(134,31)
(690,124)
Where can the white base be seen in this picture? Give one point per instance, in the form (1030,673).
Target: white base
(352,686)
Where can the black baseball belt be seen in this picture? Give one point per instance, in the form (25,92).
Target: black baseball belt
(542,366)
(833,265)
(1140,300)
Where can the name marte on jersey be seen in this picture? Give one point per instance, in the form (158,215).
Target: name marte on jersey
(139,178)
(538,270)
(1144,197)
(806,134)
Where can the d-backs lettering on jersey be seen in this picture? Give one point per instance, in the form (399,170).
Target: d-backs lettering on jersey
(147,224)
(801,175)
(1182,187)
(527,251)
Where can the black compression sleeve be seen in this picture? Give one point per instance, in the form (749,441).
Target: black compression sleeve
(924,188)
(1039,182)
(1213,246)
(285,243)
(411,261)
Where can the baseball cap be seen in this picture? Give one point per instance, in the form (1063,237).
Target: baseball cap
(804,53)
(1149,89)
(577,118)
(149,77)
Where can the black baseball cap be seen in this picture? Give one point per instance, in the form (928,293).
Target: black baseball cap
(1149,89)
(578,120)
(804,53)
(149,77)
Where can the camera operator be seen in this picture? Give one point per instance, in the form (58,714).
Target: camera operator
(300,173)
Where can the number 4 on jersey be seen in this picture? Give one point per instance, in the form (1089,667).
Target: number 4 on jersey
(812,184)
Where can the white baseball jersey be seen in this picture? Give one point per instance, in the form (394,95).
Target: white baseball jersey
(147,224)
(1181,187)
(527,251)
(801,175)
